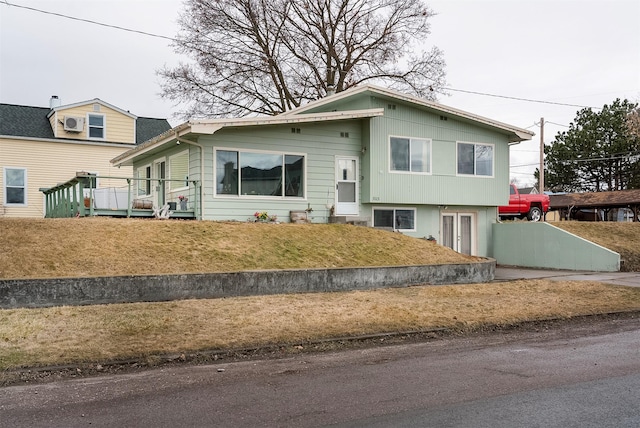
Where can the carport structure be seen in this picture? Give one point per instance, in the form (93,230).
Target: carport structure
(570,204)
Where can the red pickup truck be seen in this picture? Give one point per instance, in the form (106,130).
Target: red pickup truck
(532,206)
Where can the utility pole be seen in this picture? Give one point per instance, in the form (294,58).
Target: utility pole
(541,172)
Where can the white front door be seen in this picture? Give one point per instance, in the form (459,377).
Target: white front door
(346,186)
(458,232)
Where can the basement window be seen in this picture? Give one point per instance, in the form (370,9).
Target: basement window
(395,218)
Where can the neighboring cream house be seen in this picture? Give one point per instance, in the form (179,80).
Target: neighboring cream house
(41,146)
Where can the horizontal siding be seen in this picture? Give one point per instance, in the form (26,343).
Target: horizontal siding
(49,163)
(119,127)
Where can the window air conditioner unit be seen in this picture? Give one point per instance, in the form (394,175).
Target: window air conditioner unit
(73,123)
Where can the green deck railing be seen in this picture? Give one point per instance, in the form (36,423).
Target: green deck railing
(76,198)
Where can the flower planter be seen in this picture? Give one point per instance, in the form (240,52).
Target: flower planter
(299,217)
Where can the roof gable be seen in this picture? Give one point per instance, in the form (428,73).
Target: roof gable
(332,102)
(33,122)
(93,101)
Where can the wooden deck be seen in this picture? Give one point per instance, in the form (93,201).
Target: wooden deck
(79,198)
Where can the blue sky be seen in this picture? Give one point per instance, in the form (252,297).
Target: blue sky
(578,52)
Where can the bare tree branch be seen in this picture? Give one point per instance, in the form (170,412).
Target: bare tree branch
(250,57)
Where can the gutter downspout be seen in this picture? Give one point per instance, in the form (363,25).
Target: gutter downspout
(182,140)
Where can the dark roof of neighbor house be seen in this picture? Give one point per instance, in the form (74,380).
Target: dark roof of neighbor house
(25,121)
(616,199)
(148,127)
(32,122)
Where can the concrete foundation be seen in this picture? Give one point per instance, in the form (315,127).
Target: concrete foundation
(32,293)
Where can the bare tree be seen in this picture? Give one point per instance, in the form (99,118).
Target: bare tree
(269,56)
(633,122)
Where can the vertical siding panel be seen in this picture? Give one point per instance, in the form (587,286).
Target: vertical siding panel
(442,186)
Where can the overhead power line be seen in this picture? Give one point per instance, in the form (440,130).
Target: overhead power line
(518,99)
(160,36)
(89,21)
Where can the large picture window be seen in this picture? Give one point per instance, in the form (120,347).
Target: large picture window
(247,173)
(475,159)
(410,155)
(395,218)
(15,186)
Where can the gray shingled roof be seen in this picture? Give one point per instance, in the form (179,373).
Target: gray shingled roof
(27,121)
(148,127)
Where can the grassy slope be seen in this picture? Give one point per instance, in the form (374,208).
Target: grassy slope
(63,335)
(105,246)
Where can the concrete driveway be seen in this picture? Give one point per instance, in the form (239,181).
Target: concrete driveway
(510,273)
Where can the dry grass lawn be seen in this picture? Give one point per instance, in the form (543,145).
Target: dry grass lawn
(68,335)
(94,247)
(78,247)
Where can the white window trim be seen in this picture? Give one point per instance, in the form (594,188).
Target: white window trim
(474,227)
(493,163)
(429,144)
(104,126)
(182,153)
(264,197)
(144,167)
(387,208)
(4,187)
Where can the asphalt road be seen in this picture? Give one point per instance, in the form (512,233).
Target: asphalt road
(585,375)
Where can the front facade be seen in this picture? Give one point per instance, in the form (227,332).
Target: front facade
(368,155)
(42,146)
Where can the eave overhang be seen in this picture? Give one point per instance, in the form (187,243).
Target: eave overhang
(210,127)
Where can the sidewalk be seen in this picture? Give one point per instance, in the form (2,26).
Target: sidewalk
(510,273)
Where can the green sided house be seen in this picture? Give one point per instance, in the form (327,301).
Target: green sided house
(367,155)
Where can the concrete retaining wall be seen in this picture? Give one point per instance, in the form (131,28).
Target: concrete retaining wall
(31,293)
(541,245)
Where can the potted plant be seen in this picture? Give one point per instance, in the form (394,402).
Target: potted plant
(183,202)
